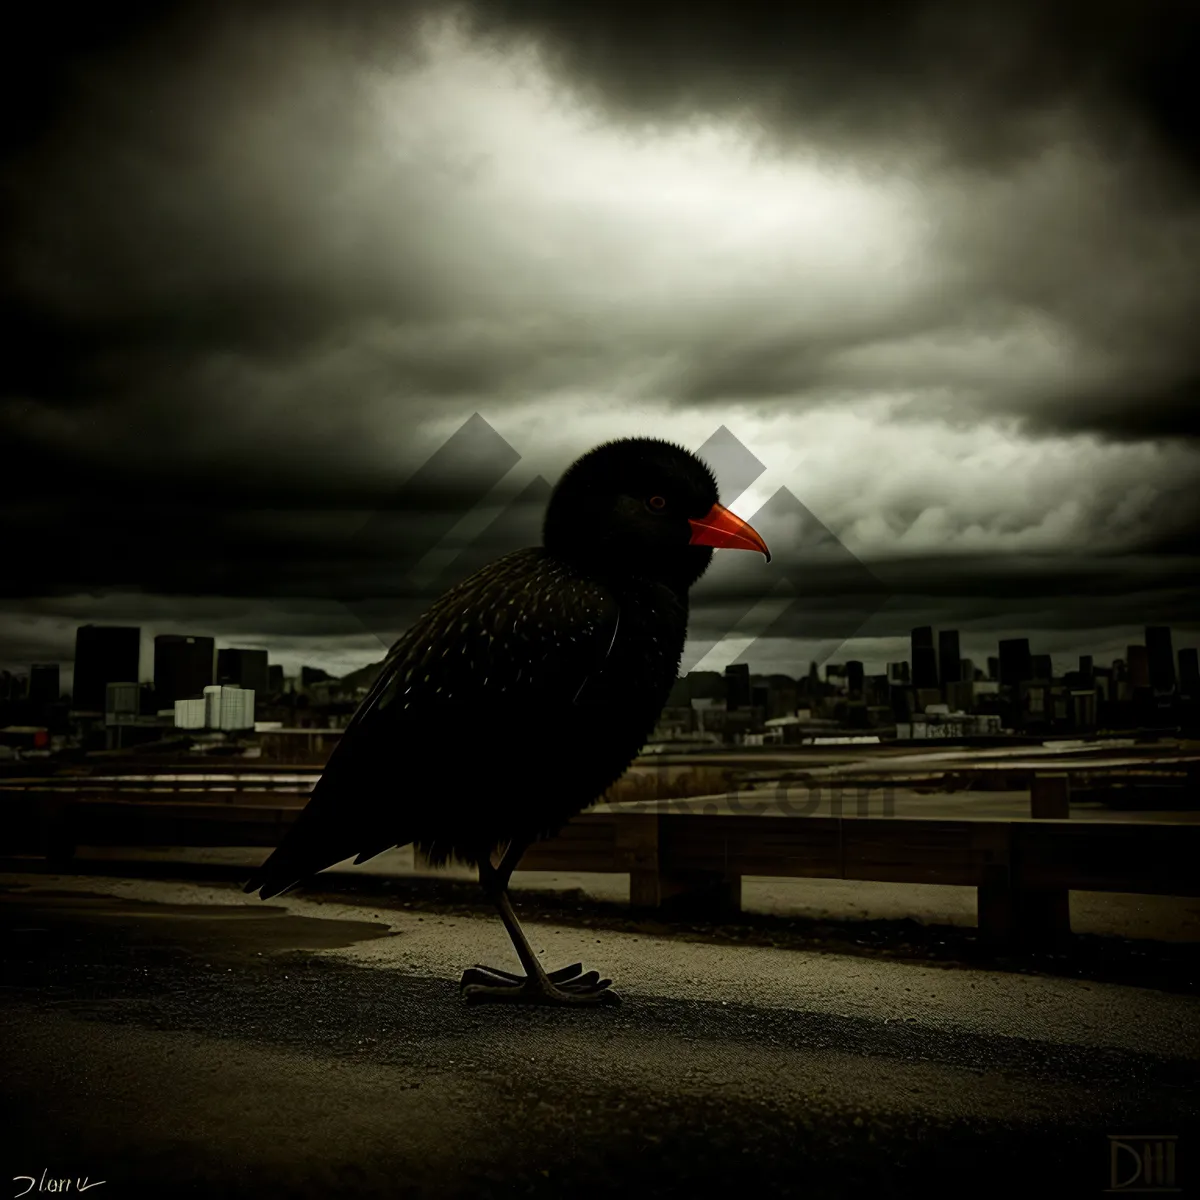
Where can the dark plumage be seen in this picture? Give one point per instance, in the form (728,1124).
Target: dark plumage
(525,691)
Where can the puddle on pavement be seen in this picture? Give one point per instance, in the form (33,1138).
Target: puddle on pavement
(33,913)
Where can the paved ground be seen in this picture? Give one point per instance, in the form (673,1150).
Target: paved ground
(186,1039)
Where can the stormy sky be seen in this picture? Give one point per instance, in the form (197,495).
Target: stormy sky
(307,306)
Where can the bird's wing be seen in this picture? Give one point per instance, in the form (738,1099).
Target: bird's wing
(513,644)
(525,628)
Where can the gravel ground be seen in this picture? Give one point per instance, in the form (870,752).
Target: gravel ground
(181,1038)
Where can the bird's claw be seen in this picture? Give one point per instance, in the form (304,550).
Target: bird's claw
(567,985)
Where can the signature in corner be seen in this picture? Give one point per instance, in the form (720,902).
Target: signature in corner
(44,1184)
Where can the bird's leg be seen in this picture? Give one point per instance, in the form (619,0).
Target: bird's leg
(569,985)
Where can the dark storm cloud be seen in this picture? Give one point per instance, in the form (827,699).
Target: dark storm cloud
(189,203)
(200,212)
(977,74)
(983,89)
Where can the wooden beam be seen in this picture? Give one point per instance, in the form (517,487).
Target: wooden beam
(676,860)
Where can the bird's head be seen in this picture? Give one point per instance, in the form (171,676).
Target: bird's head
(643,506)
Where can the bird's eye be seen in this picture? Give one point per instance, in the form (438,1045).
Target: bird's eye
(658,503)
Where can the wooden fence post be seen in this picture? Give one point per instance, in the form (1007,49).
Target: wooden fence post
(1042,916)
(58,838)
(652,884)
(995,916)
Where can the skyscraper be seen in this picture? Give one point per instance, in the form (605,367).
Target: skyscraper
(1189,672)
(183,667)
(1043,667)
(1161,657)
(1086,669)
(993,667)
(244,669)
(737,686)
(104,654)
(924,658)
(1016,663)
(854,678)
(949,657)
(1137,664)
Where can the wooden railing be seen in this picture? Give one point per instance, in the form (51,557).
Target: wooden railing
(1023,870)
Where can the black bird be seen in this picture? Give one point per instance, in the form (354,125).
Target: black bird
(524,693)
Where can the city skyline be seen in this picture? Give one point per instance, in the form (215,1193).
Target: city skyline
(226,661)
(258,267)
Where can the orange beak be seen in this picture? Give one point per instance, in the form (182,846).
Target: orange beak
(727,532)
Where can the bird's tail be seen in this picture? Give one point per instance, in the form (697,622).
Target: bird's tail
(322,835)
(297,858)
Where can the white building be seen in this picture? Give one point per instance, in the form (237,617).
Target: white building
(189,714)
(236,708)
(223,707)
(949,725)
(212,706)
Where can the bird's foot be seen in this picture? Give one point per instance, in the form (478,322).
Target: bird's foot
(568,985)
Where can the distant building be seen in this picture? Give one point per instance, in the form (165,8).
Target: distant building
(1137,666)
(877,692)
(1086,669)
(854,678)
(924,658)
(183,666)
(737,686)
(1043,667)
(212,706)
(1082,711)
(104,654)
(1015,661)
(12,687)
(898,673)
(812,683)
(993,667)
(237,709)
(783,696)
(1189,672)
(122,703)
(949,657)
(44,683)
(190,714)
(960,695)
(229,708)
(1161,658)
(244,669)
(275,679)
(948,725)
